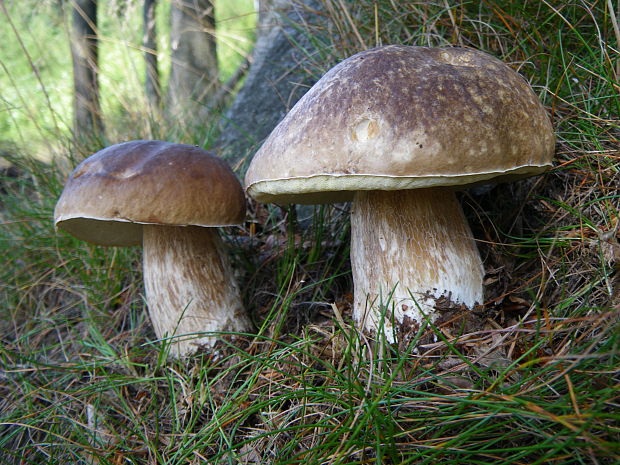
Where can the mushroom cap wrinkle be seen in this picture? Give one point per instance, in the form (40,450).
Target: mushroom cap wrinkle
(403,117)
(111,194)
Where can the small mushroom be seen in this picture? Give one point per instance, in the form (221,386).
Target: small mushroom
(397,129)
(169,198)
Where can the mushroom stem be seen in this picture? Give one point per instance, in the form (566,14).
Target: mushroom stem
(189,286)
(407,249)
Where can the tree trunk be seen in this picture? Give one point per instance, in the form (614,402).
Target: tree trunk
(194,74)
(149,43)
(275,80)
(86,106)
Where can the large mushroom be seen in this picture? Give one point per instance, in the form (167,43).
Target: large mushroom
(170,198)
(396,129)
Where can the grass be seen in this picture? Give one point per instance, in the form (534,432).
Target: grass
(530,377)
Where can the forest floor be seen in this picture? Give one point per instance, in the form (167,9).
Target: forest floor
(531,376)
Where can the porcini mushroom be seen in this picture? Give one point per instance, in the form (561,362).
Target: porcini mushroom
(170,198)
(396,129)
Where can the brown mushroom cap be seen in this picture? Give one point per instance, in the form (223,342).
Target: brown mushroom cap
(401,117)
(112,193)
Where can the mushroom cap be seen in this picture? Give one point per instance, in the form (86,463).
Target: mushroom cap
(111,194)
(402,117)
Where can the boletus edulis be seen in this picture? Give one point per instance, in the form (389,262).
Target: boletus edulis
(169,198)
(396,130)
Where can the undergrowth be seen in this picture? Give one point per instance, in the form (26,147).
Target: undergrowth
(530,377)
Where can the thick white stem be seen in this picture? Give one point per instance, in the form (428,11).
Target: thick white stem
(190,287)
(407,249)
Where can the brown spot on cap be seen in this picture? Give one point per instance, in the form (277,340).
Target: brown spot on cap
(364,130)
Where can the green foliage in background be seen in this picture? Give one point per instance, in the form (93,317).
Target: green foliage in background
(36,80)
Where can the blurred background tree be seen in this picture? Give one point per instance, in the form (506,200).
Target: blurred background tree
(276,79)
(74,67)
(87,115)
(152,84)
(194,72)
